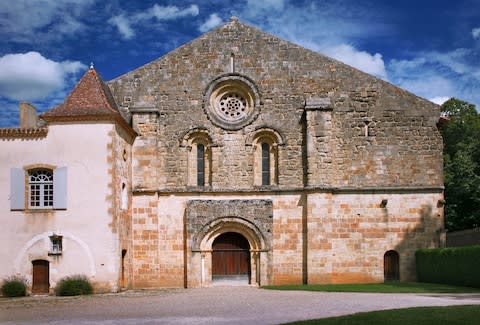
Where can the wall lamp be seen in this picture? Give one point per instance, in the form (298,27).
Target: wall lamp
(384,203)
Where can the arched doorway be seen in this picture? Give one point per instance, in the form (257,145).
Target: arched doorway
(41,275)
(231,258)
(391,269)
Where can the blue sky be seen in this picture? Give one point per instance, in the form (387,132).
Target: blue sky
(429,47)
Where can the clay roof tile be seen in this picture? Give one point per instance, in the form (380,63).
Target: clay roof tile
(90,97)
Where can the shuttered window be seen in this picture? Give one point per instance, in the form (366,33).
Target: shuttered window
(44,188)
(17,189)
(40,189)
(60,188)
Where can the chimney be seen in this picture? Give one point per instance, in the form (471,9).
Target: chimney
(28,116)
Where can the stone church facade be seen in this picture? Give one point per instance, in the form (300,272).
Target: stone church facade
(242,157)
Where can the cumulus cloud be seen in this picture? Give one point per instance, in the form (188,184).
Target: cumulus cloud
(372,64)
(25,21)
(330,23)
(439,100)
(157,13)
(332,26)
(257,5)
(30,76)
(439,76)
(476,33)
(166,12)
(123,26)
(213,21)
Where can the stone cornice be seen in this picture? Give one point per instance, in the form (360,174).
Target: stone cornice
(144,110)
(284,190)
(17,133)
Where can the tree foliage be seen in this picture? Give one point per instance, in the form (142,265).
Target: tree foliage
(461,139)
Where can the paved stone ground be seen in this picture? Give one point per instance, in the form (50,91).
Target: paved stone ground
(216,305)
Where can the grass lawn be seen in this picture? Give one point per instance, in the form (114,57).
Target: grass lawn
(391,287)
(461,315)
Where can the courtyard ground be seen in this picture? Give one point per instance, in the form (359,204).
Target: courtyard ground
(216,305)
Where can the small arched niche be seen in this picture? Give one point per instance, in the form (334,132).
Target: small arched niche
(391,266)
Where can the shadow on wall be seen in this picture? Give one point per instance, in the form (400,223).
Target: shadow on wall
(428,232)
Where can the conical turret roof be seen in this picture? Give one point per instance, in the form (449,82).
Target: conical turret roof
(90,98)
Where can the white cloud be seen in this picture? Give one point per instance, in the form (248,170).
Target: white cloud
(30,76)
(266,5)
(25,20)
(316,24)
(213,21)
(439,100)
(123,26)
(438,76)
(372,64)
(170,12)
(125,23)
(332,25)
(455,60)
(476,33)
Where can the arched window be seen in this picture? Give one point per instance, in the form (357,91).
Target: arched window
(200,165)
(265,164)
(40,188)
(265,143)
(199,162)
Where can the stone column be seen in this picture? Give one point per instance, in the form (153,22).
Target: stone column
(145,164)
(318,140)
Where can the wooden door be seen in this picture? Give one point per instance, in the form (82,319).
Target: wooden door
(41,275)
(391,266)
(230,256)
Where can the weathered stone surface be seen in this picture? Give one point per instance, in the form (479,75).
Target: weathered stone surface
(403,146)
(340,142)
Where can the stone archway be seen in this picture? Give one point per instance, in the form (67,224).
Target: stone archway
(249,242)
(207,220)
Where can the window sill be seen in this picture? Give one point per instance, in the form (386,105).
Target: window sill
(40,210)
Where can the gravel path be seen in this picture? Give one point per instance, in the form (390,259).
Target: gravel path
(217,305)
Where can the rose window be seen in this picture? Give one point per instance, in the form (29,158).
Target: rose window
(233,106)
(231,102)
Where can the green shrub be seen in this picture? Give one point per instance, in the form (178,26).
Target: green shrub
(14,287)
(453,265)
(73,286)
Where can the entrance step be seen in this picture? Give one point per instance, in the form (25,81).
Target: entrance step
(232,281)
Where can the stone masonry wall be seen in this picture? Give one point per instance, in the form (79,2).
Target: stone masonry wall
(121,210)
(145,240)
(146,161)
(349,233)
(349,141)
(402,147)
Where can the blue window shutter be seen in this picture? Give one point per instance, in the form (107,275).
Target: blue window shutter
(60,188)
(17,189)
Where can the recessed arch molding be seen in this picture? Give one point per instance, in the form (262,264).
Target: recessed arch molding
(207,219)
